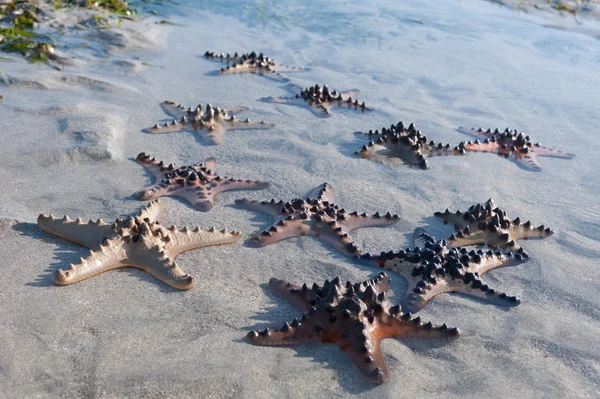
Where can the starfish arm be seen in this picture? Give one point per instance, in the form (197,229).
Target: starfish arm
(90,234)
(157,262)
(214,135)
(323,108)
(151,164)
(185,239)
(287,68)
(421,238)
(324,192)
(432,150)
(168,127)
(153,211)
(483,147)
(173,110)
(485,134)
(210,164)
(236,109)
(294,294)
(477,237)
(370,363)
(415,301)
(296,332)
(280,232)
(355,221)
(394,154)
(197,196)
(152,192)
(404,325)
(110,255)
(238,184)
(549,152)
(526,230)
(459,219)
(271,208)
(234,124)
(493,260)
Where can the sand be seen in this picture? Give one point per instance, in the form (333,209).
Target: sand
(69,140)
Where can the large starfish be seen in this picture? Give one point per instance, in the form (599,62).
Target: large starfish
(196,183)
(433,268)
(486,224)
(139,241)
(357,317)
(215,121)
(404,144)
(258,64)
(320,100)
(511,144)
(316,216)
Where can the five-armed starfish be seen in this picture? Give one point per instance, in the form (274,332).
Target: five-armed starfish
(215,121)
(485,224)
(513,144)
(250,62)
(433,268)
(322,99)
(316,216)
(197,183)
(357,317)
(399,143)
(139,241)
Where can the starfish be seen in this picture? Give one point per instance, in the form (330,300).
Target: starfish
(139,241)
(511,144)
(197,183)
(250,62)
(215,121)
(433,268)
(399,143)
(316,216)
(322,99)
(357,317)
(489,225)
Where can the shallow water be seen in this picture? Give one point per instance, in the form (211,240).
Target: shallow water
(70,140)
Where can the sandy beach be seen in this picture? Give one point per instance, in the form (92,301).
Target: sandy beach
(69,142)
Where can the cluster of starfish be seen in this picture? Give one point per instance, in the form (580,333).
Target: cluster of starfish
(358,316)
(398,144)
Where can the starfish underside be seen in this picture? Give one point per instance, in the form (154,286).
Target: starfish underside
(197,183)
(254,63)
(486,224)
(139,241)
(511,144)
(404,144)
(357,317)
(316,216)
(321,100)
(433,268)
(214,121)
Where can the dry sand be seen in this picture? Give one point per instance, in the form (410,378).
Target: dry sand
(69,139)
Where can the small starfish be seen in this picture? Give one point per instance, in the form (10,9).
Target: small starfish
(485,224)
(511,144)
(215,121)
(357,317)
(399,143)
(138,241)
(316,216)
(250,62)
(433,268)
(197,183)
(322,99)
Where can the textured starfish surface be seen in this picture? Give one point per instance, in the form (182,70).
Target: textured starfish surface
(486,224)
(433,267)
(321,100)
(258,64)
(138,241)
(404,144)
(196,183)
(317,216)
(214,121)
(357,317)
(511,144)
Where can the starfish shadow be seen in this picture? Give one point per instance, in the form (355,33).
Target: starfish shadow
(67,253)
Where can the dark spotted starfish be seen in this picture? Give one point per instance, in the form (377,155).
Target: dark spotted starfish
(433,268)
(258,64)
(511,144)
(404,144)
(357,317)
(197,183)
(320,100)
(215,121)
(485,224)
(316,216)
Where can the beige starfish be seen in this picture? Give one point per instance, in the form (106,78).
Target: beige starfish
(138,241)
(216,121)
